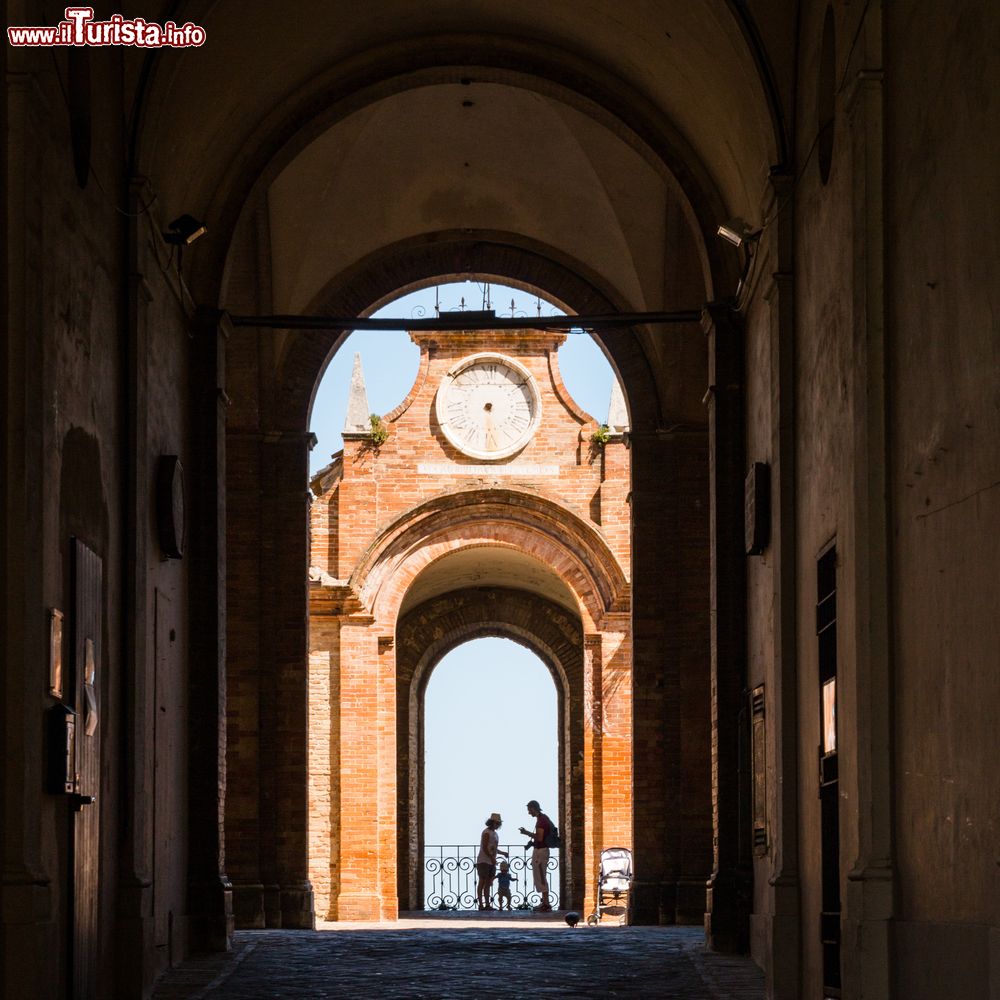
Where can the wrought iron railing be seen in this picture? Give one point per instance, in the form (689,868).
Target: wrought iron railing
(450,877)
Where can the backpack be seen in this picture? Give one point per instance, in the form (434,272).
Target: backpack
(552,839)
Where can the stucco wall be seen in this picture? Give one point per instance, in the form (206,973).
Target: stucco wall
(100,366)
(945,428)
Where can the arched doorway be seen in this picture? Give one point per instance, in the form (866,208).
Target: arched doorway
(434,627)
(489,741)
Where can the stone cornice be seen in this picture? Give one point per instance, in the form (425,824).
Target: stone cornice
(334,598)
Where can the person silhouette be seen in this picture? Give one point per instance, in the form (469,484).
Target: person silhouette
(539,854)
(486,860)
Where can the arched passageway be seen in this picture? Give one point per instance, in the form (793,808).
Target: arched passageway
(668,265)
(623,165)
(619,164)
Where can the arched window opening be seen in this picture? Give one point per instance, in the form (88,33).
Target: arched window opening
(490,746)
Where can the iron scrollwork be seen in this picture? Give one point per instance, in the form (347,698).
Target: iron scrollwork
(450,878)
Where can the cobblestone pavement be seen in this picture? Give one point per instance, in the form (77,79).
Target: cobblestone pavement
(459,959)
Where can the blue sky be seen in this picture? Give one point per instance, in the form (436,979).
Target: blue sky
(490,734)
(490,742)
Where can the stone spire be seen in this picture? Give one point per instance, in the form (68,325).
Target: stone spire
(356,421)
(617,414)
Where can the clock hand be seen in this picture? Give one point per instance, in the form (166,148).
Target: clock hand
(488,430)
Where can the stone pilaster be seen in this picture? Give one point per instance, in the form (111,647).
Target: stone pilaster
(135,928)
(210,911)
(27,917)
(729,895)
(780,919)
(869,898)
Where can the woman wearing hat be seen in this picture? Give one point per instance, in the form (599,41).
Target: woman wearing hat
(486,862)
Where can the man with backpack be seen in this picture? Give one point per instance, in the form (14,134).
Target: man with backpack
(544,837)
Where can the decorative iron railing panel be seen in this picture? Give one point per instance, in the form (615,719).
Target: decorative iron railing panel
(450,877)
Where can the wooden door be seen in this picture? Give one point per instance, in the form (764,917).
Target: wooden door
(88,669)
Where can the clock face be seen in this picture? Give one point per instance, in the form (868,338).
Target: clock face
(488,406)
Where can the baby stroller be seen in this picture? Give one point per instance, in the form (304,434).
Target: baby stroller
(614,879)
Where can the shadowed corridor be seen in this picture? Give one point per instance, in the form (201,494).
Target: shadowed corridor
(460,956)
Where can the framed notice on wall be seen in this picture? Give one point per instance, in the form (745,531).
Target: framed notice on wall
(55,652)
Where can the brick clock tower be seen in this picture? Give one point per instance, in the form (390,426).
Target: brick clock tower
(486,504)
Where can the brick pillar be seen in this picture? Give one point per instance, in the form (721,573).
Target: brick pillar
(729,895)
(385,726)
(616,694)
(671,797)
(288,897)
(210,909)
(409,768)
(360,868)
(694,836)
(593,765)
(243,674)
(577,852)
(616,518)
(607,753)
(324,743)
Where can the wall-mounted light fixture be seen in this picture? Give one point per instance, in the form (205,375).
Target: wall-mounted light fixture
(742,235)
(184,230)
(737,231)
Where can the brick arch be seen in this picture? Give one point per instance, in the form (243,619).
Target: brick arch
(454,255)
(424,636)
(550,532)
